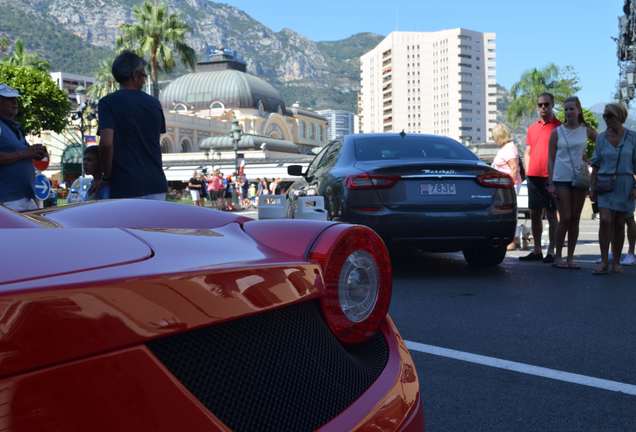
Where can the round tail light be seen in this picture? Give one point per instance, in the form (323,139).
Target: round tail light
(357,280)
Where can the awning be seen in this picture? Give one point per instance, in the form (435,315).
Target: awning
(249,142)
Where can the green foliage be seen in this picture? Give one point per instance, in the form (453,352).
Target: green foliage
(21,57)
(62,49)
(43,106)
(561,82)
(351,47)
(158,35)
(590,120)
(104,81)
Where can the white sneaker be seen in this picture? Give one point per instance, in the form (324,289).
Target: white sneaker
(628,260)
(609,259)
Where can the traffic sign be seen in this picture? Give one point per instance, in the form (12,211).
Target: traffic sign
(41,187)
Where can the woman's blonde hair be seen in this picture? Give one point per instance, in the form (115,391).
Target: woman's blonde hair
(501,134)
(618,110)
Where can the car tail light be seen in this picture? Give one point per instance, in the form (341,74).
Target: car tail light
(496,180)
(371,181)
(357,280)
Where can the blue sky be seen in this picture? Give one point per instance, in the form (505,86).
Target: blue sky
(529,34)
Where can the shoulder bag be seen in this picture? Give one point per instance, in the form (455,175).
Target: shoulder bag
(605,182)
(580,173)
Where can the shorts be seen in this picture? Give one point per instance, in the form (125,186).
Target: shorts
(538,195)
(195,194)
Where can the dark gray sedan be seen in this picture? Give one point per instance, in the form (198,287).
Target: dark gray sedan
(426,191)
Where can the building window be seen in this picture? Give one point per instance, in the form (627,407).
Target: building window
(302,129)
(186,145)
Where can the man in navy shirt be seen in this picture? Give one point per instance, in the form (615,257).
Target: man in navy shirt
(130,124)
(16,167)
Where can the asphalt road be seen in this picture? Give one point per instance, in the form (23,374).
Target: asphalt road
(531,314)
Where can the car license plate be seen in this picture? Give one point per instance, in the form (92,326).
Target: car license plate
(438,189)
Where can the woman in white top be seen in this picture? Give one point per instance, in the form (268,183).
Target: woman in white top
(567,157)
(507,158)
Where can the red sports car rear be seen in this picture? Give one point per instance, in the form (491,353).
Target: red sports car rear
(140,315)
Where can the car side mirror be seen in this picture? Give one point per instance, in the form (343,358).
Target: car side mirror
(295,170)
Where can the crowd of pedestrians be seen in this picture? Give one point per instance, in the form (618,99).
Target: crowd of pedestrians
(560,177)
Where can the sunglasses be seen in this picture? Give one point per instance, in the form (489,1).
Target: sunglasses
(608,116)
(544,104)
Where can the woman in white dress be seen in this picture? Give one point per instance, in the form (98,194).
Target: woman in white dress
(566,163)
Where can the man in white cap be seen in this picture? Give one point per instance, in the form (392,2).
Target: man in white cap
(16,155)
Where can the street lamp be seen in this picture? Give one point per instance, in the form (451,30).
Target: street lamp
(236,137)
(84,112)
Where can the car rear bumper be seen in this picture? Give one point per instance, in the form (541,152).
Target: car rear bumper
(393,401)
(145,394)
(440,231)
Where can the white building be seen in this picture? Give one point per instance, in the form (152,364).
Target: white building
(70,82)
(442,83)
(339,123)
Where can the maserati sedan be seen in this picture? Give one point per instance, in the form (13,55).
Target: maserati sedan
(136,315)
(426,191)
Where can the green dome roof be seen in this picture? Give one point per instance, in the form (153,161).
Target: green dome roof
(233,88)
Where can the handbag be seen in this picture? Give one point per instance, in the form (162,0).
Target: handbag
(605,182)
(580,173)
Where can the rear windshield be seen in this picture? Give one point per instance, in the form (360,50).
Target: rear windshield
(410,147)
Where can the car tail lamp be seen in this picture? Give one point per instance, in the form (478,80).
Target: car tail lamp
(496,180)
(371,181)
(357,281)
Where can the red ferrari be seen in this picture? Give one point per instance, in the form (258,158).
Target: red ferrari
(136,315)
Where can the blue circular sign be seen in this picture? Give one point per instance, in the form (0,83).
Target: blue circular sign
(41,187)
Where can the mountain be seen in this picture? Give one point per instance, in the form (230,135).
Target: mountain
(78,33)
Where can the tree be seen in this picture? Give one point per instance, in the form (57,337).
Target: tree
(21,57)
(590,120)
(43,106)
(560,82)
(104,81)
(157,35)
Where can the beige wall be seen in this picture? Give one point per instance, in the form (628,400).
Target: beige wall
(191,128)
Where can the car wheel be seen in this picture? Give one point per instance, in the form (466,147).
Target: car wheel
(485,256)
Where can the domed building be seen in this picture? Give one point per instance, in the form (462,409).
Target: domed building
(199,108)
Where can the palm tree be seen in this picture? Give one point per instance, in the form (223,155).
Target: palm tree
(158,35)
(524,93)
(104,81)
(21,57)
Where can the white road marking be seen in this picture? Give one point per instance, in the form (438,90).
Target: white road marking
(524,368)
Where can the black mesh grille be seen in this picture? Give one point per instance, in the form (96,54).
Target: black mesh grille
(278,371)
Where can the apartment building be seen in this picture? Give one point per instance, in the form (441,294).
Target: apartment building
(441,82)
(339,123)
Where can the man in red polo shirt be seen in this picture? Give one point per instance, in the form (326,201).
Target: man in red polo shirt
(536,160)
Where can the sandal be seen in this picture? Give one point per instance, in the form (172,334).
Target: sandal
(573,266)
(601,270)
(560,264)
(617,269)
